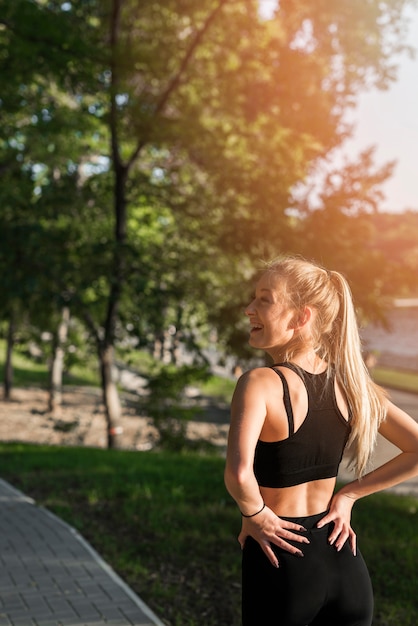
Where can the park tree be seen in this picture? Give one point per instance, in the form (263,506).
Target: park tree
(43,141)
(349,196)
(19,239)
(395,237)
(206,117)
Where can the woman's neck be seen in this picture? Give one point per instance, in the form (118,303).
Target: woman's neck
(308,360)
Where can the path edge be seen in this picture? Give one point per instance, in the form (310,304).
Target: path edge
(20,496)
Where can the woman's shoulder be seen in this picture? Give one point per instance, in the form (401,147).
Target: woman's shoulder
(256,373)
(255,388)
(257,378)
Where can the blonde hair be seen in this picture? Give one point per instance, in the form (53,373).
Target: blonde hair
(335,338)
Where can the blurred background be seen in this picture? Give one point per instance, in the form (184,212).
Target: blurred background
(153,155)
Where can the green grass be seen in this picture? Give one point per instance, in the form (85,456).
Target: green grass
(166,524)
(387,528)
(28,372)
(218,388)
(163,521)
(396,379)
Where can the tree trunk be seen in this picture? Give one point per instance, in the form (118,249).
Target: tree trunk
(8,366)
(110,394)
(57,363)
(157,352)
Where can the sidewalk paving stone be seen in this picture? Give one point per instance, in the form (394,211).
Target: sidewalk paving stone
(51,576)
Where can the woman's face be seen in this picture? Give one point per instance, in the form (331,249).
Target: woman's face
(271,318)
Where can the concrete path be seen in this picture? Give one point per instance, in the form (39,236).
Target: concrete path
(50,576)
(386,451)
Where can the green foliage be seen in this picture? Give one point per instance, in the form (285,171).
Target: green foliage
(218,388)
(167,403)
(142,182)
(395,236)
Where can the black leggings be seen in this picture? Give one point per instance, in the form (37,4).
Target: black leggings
(324,588)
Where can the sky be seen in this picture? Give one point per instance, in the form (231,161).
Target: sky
(389,121)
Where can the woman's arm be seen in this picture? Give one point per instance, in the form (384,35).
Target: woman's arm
(248,413)
(402,431)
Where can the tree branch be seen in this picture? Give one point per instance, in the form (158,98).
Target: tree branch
(173,84)
(183,66)
(135,154)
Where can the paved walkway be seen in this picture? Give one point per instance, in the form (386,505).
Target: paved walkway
(50,576)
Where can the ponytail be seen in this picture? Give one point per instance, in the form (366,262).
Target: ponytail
(335,338)
(365,399)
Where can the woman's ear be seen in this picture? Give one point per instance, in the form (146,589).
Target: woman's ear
(301,318)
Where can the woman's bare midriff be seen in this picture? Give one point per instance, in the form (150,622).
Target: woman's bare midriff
(301,500)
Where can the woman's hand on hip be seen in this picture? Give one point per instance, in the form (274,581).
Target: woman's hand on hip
(266,528)
(340,513)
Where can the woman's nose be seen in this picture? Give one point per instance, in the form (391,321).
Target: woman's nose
(249,310)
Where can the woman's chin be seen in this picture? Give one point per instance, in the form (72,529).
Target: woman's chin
(255,341)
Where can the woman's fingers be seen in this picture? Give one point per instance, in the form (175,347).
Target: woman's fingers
(281,543)
(285,530)
(339,536)
(291,526)
(289,547)
(265,546)
(353,543)
(275,531)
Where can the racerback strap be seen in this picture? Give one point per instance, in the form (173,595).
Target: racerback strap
(287,402)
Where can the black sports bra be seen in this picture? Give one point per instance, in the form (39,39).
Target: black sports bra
(315,450)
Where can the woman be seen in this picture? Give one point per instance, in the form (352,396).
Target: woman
(290,424)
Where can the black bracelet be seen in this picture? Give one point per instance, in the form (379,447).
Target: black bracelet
(254,514)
